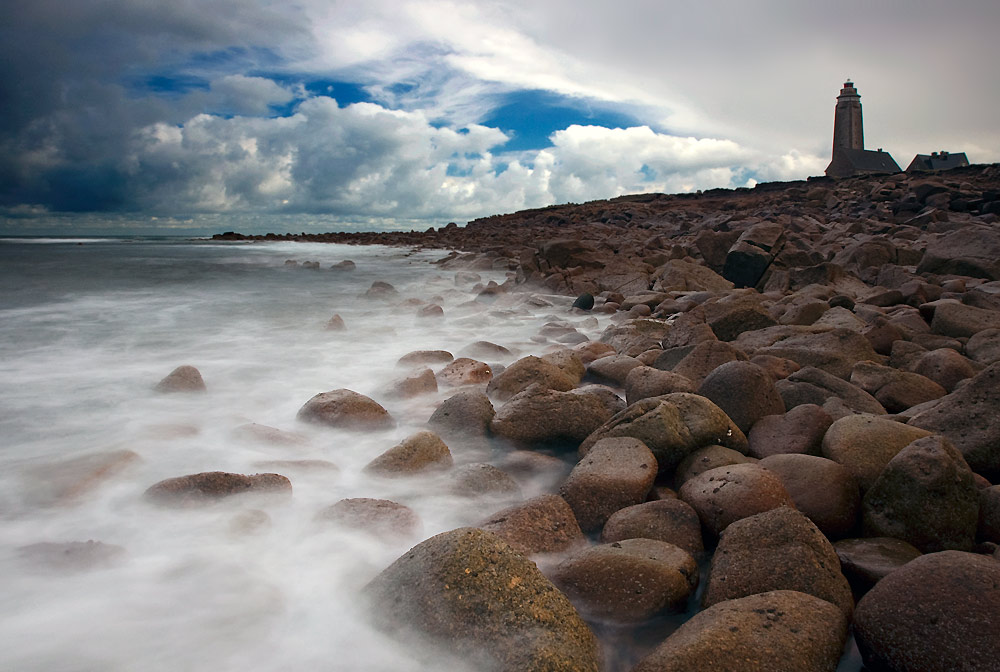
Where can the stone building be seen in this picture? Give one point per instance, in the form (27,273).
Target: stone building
(937,161)
(849,154)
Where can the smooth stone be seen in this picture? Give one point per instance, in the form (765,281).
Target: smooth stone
(724,495)
(543,524)
(667,519)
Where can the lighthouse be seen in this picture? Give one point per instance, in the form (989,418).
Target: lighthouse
(849,154)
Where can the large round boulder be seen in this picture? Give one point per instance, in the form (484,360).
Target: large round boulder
(703,459)
(615,473)
(866,443)
(776,631)
(473,594)
(529,371)
(422,452)
(925,496)
(644,382)
(800,430)
(825,491)
(867,561)
(380,518)
(463,416)
(937,612)
(669,520)
(627,581)
(967,417)
(212,486)
(538,415)
(346,409)
(543,524)
(672,426)
(724,495)
(776,550)
(744,391)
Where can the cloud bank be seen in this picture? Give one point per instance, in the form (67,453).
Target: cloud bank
(393,113)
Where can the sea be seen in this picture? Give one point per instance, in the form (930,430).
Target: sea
(88,326)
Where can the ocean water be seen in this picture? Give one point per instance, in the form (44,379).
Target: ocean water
(89,326)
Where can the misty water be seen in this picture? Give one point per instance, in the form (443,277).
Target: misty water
(88,327)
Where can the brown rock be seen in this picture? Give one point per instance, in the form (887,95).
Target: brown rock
(212,486)
(544,524)
(422,382)
(422,452)
(724,495)
(989,514)
(486,350)
(779,368)
(776,631)
(835,351)
(335,323)
(705,357)
(614,474)
(423,358)
(937,612)
(669,520)
(984,347)
(744,391)
(627,581)
(732,314)
(865,562)
(672,426)
(895,390)
(568,361)
(953,318)
(925,496)
(945,367)
(836,396)
(703,459)
(540,416)
(465,371)
(967,417)
(591,350)
(779,549)
(800,430)
(613,369)
(182,379)
(463,416)
(474,595)
(826,492)
(346,409)
(643,382)
(484,481)
(378,517)
(529,371)
(866,443)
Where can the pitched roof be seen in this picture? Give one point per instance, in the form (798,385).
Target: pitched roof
(938,161)
(847,162)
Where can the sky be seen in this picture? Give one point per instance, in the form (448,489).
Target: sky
(323,115)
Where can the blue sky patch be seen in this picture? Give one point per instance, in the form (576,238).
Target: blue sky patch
(531,116)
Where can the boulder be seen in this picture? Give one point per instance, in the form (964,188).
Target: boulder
(866,443)
(670,520)
(415,385)
(485,350)
(925,496)
(627,581)
(182,379)
(544,524)
(837,396)
(953,318)
(569,362)
(420,453)
(776,631)
(703,459)
(989,514)
(704,358)
(474,595)
(615,473)
(529,371)
(335,323)
(422,358)
(865,562)
(613,369)
(731,315)
(745,264)
(484,481)
(672,426)
(685,275)
(382,291)
(937,612)
(724,495)
(544,416)
(896,390)
(744,391)
(346,409)
(800,430)
(944,366)
(967,417)
(835,351)
(635,336)
(825,491)
(465,371)
(643,382)
(380,518)
(465,415)
(779,549)
(970,250)
(212,486)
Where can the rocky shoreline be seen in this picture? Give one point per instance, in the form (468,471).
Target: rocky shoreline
(811,411)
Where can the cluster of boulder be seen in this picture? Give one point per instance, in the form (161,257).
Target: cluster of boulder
(788,433)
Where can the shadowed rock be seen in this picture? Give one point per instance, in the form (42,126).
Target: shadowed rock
(669,520)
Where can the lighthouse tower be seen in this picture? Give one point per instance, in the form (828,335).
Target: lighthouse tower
(848,132)
(849,154)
